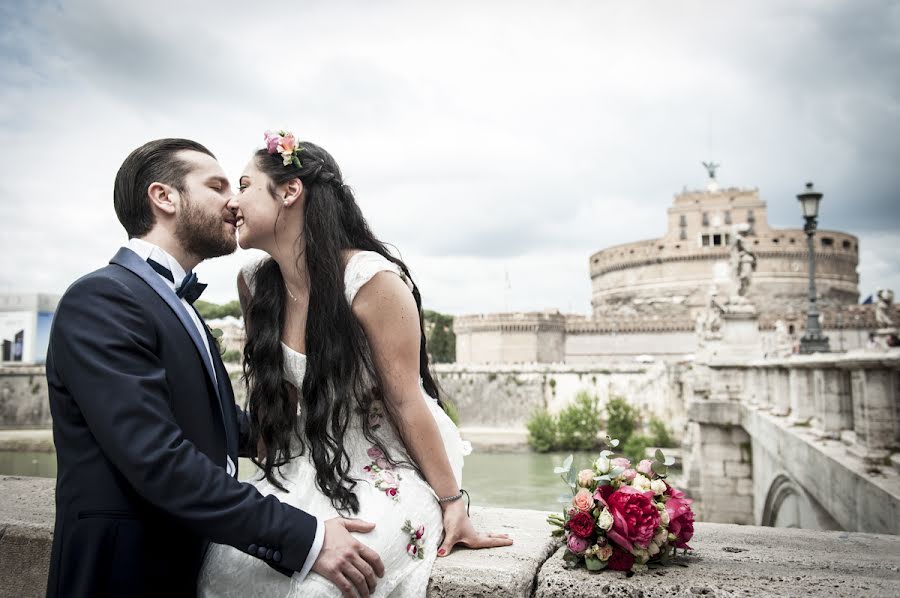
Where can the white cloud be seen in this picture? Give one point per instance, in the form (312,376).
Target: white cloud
(480,138)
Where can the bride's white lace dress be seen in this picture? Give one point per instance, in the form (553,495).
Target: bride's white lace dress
(401,504)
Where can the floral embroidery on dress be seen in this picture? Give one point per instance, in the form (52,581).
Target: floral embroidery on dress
(376,413)
(382,473)
(414,546)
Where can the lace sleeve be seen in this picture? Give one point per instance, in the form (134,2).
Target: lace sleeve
(362,267)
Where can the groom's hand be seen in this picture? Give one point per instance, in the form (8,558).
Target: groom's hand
(347,562)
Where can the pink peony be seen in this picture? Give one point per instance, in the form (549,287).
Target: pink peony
(583,500)
(681,517)
(621,462)
(576,544)
(635,517)
(392,492)
(628,475)
(645,467)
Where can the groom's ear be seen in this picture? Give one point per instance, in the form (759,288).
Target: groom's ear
(293,190)
(163,197)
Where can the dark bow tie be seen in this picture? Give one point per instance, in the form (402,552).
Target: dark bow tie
(190,289)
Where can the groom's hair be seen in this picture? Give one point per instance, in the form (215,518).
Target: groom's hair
(154,162)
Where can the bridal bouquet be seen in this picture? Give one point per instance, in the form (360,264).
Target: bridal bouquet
(622,517)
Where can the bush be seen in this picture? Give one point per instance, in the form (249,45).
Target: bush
(636,447)
(542,431)
(579,423)
(451,411)
(232,356)
(659,433)
(622,420)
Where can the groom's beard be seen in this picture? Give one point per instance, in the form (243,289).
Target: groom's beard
(203,235)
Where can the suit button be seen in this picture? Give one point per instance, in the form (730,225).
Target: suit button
(252,549)
(261,553)
(276,557)
(269,554)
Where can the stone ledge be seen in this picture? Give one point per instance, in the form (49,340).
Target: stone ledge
(734,560)
(729,560)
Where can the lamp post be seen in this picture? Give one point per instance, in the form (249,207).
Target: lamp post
(813,340)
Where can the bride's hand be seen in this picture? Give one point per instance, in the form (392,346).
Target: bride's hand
(458,529)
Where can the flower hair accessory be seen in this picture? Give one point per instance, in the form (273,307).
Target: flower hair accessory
(285,144)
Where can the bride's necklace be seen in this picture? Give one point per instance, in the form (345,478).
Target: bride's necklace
(286,288)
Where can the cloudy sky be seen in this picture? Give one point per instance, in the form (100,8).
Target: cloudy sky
(488,141)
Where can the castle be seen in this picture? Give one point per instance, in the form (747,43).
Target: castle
(646,295)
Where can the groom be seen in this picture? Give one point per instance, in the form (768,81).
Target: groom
(146,429)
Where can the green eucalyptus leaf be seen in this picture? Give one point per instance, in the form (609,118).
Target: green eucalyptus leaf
(614,442)
(658,455)
(659,468)
(670,461)
(606,454)
(616,472)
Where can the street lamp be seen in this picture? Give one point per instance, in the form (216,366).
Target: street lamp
(813,340)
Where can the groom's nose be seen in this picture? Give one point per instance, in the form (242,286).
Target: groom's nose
(232,203)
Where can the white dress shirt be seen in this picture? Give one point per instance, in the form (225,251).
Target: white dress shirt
(147,250)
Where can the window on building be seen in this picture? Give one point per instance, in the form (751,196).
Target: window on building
(750,217)
(827,242)
(727,216)
(682,221)
(705,218)
(704,240)
(846,244)
(717,240)
(683,235)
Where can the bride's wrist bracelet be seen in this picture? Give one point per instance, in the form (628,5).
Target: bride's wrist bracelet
(448,499)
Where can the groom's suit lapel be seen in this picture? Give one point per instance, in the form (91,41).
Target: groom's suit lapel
(131,261)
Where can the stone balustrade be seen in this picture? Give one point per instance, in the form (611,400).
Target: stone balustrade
(817,435)
(728,560)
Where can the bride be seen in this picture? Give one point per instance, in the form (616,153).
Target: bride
(344,411)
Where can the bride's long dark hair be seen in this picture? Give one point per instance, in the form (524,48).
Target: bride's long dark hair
(340,373)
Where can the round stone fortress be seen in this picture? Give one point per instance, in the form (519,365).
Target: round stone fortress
(646,295)
(672,276)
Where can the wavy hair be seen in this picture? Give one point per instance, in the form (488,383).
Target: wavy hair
(340,373)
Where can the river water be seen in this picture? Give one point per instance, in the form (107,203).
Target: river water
(521,480)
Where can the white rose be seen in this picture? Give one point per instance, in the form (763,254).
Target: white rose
(602,465)
(604,553)
(664,518)
(605,520)
(653,549)
(658,487)
(641,482)
(641,554)
(661,537)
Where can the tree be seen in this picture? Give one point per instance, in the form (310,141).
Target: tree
(440,337)
(621,421)
(213,311)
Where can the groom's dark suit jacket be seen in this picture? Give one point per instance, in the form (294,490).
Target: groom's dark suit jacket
(142,431)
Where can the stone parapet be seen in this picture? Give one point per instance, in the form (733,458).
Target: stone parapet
(728,560)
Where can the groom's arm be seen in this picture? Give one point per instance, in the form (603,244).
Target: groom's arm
(103,348)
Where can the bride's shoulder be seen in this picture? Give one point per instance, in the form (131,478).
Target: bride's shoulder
(362,266)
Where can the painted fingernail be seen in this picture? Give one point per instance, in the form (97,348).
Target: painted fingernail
(441,552)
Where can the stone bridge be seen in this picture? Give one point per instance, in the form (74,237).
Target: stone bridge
(728,560)
(806,441)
